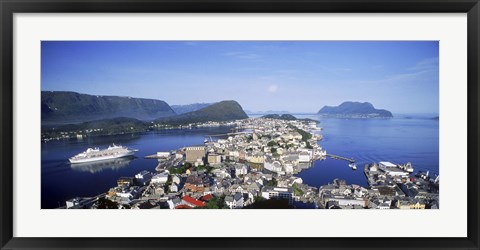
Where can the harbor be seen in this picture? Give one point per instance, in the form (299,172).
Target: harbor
(216,159)
(83,180)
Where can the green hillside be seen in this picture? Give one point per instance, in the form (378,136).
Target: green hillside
(61,107)
(220,111)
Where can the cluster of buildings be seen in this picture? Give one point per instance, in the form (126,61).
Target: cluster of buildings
(257,162)
(391,186)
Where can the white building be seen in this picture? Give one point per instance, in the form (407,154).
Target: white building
(143,177)
(175,179)
(173,188)
(274,166)
(163,154)
(179,154)
(160,178)
(241,169)
(234,153)
(278,193)
(387,164)
(348,201)
(221,173)
(130,193)
(396,172)
(288,168)
(385,204)
(234,202)
(75,203)
(304,157)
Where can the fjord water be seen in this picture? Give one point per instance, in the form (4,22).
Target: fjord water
(397,140)
(62,181)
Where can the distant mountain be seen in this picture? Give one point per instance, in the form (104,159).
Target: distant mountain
(61,107)
(182,109)
(281,117)
(354,110)
(220,111)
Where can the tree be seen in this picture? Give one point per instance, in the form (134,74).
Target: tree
(271,183)
(270,204)
(214,203)
(104,203)
(296,190)
(272,143)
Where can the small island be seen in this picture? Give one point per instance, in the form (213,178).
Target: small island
(354,110)
(287,117)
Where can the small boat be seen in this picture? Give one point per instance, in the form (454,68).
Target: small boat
(353,166)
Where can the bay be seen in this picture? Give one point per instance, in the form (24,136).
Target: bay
(398,140)
(61,181)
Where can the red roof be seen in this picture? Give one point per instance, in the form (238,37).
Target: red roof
(206,197)
(183,207)
(193,201)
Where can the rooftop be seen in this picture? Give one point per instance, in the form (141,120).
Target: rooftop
(387,164)
(193,201)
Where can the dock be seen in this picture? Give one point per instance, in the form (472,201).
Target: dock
(337,157)
(155,156)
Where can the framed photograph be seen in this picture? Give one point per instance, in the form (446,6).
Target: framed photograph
(263,124)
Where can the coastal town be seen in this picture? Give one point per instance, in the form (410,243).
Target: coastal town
(255,166)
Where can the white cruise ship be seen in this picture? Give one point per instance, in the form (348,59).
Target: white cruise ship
(95,154)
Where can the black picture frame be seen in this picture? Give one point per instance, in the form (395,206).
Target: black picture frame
(10,7)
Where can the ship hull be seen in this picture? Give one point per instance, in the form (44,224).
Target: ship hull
(101,158)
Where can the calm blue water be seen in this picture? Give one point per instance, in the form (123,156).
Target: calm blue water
(62,181)
(397,140)
(365,140)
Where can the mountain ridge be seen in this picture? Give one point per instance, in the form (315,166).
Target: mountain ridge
(67,107)
(218,112)
(182,109)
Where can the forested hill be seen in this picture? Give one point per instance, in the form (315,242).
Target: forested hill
(62,107)
(220,111)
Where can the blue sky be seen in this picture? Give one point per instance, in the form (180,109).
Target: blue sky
(296,76)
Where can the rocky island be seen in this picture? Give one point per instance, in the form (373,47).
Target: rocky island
(354,110)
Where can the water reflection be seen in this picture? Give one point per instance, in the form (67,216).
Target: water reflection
(99,166)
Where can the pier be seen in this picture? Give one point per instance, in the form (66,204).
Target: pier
(337,157)
(154,156)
